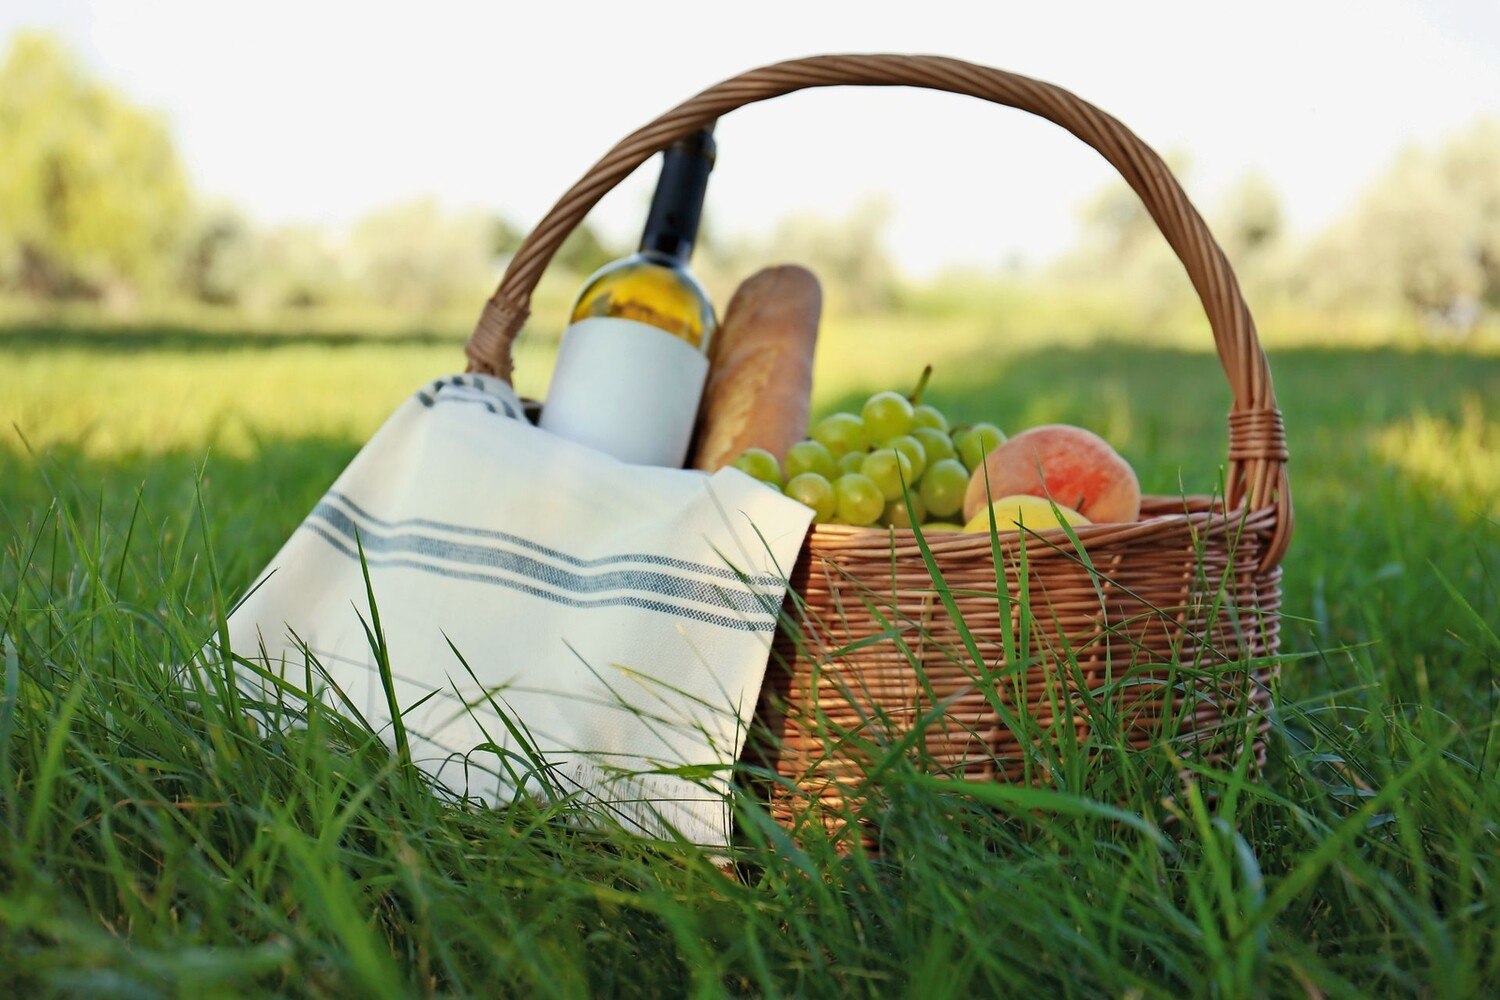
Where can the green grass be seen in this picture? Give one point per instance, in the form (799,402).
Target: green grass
(152,843)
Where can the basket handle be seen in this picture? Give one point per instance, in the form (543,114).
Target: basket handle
(1257,443)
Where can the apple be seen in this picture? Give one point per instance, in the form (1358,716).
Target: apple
(1074,467)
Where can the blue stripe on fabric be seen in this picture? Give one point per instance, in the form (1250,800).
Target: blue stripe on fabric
(717,572)
(693,614)
(462,392)
(492,403)
(735,599)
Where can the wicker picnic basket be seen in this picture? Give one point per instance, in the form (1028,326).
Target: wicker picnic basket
(872,652)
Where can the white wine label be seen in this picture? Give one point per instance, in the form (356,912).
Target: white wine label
(627,389)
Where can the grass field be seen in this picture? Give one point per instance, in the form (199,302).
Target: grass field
(151,844)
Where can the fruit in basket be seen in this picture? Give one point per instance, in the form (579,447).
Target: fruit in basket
(757,463)
(1070,465)
(816,492)
(888,469)
(859,500)
(930,417)
(897,459)
(840,433)
(886,415)
(899,515)
(943,487)
(975,442)
(892,462)
(936,444)
(810,456)
(914,452)
(1012,513)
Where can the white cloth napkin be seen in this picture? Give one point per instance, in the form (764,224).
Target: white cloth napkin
(621,615)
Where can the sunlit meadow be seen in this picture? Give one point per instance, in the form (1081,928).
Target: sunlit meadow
(150,843)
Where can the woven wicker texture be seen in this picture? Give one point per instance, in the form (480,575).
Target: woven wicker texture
(1195,581)
(1172,633)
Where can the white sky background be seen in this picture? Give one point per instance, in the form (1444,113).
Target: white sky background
(320,112)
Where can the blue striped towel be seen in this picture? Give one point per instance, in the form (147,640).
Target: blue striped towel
(620,615)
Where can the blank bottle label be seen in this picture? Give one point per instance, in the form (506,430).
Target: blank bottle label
(627,389)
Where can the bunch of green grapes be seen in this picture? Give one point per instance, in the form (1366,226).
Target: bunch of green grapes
(897,462)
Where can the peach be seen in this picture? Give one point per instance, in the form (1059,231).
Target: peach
(1069,465)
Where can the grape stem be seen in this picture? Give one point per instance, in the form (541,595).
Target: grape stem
(916,394)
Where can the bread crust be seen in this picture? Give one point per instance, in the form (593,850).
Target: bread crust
(760,377)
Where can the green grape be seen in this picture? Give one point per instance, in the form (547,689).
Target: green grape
(887,469)
(815,491)
(809,456)
(852,462)
(859,499)
(944,486)
(898,516)
(758,463)
(930,416)
(975,442)
(915,453)
(840,433)
(886,415)
(936,444)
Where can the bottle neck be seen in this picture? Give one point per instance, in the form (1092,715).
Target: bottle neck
(677,206)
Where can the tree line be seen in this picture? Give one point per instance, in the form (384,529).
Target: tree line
(95,205)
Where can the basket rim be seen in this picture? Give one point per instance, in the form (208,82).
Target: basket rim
(903,541)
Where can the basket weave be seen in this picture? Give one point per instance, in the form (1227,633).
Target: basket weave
(1195,581)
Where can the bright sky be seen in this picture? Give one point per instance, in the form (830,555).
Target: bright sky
(322,111)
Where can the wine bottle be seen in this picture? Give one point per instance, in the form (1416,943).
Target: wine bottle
(632,363)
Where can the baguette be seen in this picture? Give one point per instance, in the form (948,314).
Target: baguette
(760,379)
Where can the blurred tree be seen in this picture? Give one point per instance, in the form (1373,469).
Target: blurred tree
(1115,225)
(507,236)
(92,197)
(584,252)
(847,253)
(294,266)
(851,250)
(1425,236)
(218,256)
(1121,250)
(1250,220)
(415,257)
(1470,165)
(1250,225)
